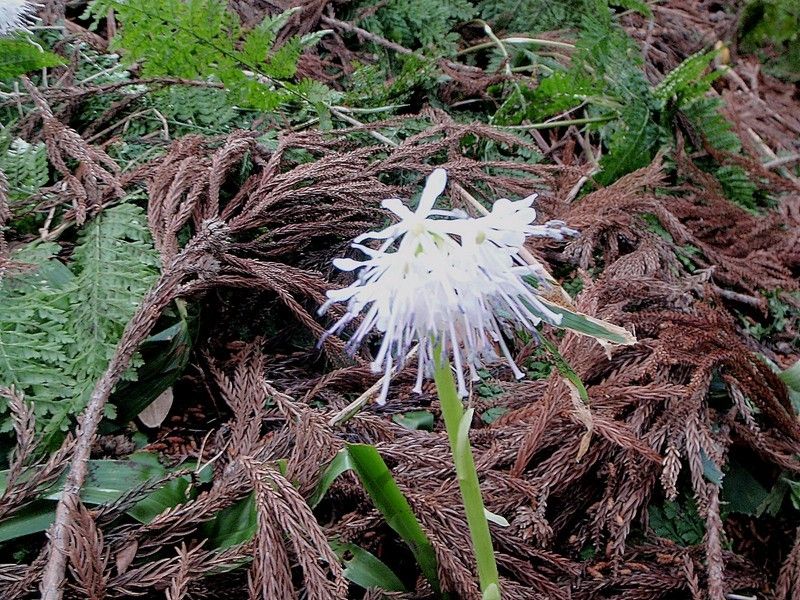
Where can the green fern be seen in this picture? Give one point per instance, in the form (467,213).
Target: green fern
(688,81)
(195,109)
(114,264)
(532,16)
(19,56)
(771,28)
(632,141)
(704,114)
(60,326)
(607,74)
(737,185)
(614,61)
(374,85)
(24,165)
(33,336)
(419,23)
(201,39)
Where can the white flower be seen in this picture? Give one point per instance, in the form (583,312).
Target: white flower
(16,15)
(441,278)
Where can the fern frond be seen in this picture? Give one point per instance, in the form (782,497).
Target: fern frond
(32,332)
(737,185)
(59,327)
(115,264)
(687,81)
(25,167)
(202,39)
(704,114)
(419,23)
(632,142)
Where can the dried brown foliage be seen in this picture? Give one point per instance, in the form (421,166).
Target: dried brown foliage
(96,174)
(568,478)
(650,420)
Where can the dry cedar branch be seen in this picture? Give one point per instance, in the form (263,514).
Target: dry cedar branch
(184,188)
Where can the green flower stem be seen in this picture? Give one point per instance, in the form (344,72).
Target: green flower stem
(453,413)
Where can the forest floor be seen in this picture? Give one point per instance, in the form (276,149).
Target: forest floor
(177,178)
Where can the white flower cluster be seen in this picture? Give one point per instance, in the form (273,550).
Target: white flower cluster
(440,278)
(16,15)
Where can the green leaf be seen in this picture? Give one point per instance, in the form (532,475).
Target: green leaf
(170,495)
(710,469)
(365,569)
(677,521)
(339,464)
(24,165)
(631,145)
(165,356)
(392,504)
(34,518)
(18,57)
(106,481)
(565,369)
(60,325)
(415,419)
(490,415)
(794,492)
(586,325)
(791,377)
(741,492)
(232,525)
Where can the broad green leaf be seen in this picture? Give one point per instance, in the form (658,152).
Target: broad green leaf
(710,469)
(742,492)
(365,569)
(233,525)
(490,415)
(415,419)
(18,57)
(392,504)
(171,494)
(165,356)
(586,325)
(107,480)
(34,518)
(339,464)
(791,376)
(794,492)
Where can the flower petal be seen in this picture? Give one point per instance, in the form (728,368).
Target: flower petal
(434,186)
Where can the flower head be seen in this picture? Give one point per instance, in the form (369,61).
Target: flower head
(16,15)
(441,279)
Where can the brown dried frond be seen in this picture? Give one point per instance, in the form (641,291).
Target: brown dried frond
(179,585)
(288,283)
(195,563)
(788,584)
(95,168)
(246,396)
(24,423)
(270,574)
(280,501)
(88,557)
(33,478)
(176,522)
